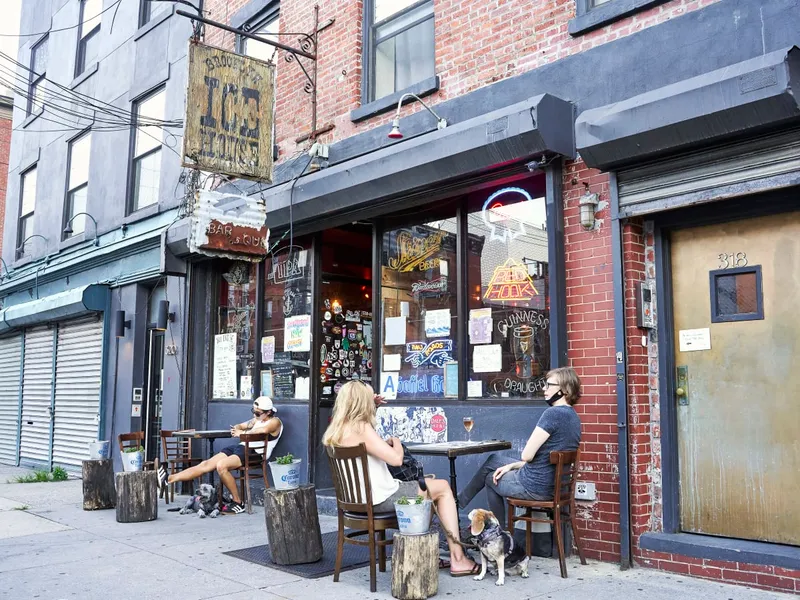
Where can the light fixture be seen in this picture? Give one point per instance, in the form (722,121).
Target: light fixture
(69,231)
(21,247)
(588,204)
(8,273)
(395,133)
(120,324)
(163,316)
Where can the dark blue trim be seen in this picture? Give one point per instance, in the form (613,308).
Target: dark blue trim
(554,205)
(756,316)
(719,548)
(19,410)
(382,105)
(587,19)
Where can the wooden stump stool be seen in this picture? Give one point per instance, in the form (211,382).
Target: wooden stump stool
(293,525)
(137,496)
(415,566)
(98,484)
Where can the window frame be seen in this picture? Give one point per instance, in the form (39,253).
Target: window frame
(758,315)
(33,77)
(130,207)
(83,39)
(588,18)
(70,191)
(31,214)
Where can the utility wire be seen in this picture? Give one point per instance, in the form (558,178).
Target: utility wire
(21,35)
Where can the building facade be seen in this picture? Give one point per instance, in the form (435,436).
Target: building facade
(6,108)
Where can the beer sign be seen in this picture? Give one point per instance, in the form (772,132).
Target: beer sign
(228,127)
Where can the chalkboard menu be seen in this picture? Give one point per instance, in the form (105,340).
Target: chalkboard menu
(283,375)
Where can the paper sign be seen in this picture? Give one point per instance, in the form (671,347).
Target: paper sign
(268,349)
(301,388)
(297,334)
(487,359)
(480,326)
(391,362)
(246,387)
(388,387)
(395,331)
(694,339)
(451,380)
(225,365)
(475,389)
(437,323)
(404,309)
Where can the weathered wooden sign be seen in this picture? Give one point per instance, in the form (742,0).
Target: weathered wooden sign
(228,225)
(228,114)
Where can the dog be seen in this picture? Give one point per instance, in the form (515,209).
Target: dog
(204,502)
(496,545)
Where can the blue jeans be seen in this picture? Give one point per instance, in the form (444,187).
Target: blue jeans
(509,485)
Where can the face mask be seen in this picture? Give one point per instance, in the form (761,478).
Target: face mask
(555,398)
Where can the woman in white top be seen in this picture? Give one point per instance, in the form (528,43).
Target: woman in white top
(353,423)
(232,457)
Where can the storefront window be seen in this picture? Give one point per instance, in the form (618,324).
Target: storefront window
(418,299)
(286,340)
(509,308)
(234,342)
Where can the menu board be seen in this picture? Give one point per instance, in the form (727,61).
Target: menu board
(224,381)
(283,375)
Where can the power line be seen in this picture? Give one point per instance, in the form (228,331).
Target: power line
(49,31)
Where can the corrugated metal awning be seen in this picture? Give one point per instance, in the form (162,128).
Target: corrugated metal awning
(63,305)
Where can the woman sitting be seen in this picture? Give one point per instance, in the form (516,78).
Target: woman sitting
(531,478)
(353,423)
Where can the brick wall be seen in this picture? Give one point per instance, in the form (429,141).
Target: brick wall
(5,148)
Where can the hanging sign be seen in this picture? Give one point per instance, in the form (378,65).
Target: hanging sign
(510,283)
(229,226)
(229,101)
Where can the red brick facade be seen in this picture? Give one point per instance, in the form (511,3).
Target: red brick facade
(5,149)
(477,44)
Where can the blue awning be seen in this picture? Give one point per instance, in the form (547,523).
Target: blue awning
(63,305)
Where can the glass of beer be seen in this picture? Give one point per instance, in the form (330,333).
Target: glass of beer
(468,423)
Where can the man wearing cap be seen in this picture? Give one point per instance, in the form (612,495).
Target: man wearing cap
(232,457)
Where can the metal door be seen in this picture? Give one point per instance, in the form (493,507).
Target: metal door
(10,380)
(735,288)
(37,396)
(79,361)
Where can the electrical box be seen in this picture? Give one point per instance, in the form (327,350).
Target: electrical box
(585,490)
(645,299)
(137,395)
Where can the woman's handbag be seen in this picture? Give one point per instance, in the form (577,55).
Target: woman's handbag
(410,470)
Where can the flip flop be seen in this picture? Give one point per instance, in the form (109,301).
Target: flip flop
(475,570)
(444,564)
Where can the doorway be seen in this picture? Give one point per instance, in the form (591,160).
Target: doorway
(153,394)
(737,385)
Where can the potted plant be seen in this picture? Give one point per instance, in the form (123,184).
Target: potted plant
(98,449)
(286,472)
(413,515)
(133,458)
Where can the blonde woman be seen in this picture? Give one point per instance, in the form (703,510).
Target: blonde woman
(353,423)
(559,428)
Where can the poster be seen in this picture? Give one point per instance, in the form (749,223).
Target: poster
(268,349)
(225,365)
(392,362)
(412,424)
(395,331)
(245,387)
(437,323)
(266,383)
(297,334)
(480,326)
(487,359)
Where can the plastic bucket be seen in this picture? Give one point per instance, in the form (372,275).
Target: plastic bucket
(286,477)
(414,519)
(132,461)
(98,449)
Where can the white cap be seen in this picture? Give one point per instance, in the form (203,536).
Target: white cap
(264,403)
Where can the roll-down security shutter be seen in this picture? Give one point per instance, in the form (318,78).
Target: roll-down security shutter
(10,371)
(79,356)
(37,387)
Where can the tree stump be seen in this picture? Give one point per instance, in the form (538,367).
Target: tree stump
(293,525)
(137,496)
(98,484)
(415,566)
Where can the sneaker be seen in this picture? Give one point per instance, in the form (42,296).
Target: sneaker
(234,508)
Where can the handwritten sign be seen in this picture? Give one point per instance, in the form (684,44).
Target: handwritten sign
(224,385)
(297,334)
(268,349)
(480,326)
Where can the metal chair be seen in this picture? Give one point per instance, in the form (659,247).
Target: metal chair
(134,439)
(355,509)
(177,452)
(561,507)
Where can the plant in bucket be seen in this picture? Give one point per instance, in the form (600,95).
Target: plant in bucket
(133,458)
(413,515)
(98,449)
(286,472)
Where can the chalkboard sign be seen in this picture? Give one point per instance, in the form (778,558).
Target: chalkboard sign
(451,380)
(283,375)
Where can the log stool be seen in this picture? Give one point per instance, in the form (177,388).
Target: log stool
(98,484)
(415,566)
(137,496)
(293,525)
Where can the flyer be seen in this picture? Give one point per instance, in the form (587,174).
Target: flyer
(224,385)
(297,334)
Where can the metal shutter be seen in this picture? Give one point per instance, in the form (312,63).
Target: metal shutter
(10,371)
(79,361)
(37,387)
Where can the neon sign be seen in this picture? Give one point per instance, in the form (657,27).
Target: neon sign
(437,353)
(416,252)
(494,213)
(510,283)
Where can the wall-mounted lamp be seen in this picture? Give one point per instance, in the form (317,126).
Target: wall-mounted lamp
(69,231)
(21,247)
(5,266)
(588,204)
(164,316)
(120,324)
(395,133)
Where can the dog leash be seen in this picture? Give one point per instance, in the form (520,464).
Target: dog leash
(424,487)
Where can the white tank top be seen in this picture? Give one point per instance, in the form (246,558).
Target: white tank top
(383,484)
(259,446)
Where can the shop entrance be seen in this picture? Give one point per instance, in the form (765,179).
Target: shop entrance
(734,287)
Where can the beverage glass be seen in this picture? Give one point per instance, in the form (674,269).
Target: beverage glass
(468,423)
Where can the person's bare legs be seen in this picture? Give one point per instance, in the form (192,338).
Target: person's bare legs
(442,495)
(196,471)
(224,467)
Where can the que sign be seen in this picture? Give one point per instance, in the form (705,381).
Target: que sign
(228,114)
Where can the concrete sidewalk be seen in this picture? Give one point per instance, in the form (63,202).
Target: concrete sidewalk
(54,550)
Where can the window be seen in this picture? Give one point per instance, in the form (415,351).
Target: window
(401,45)
(593,14)
(266,53)
(146,167)
(88,34)
(736,294)
(37,76)
(27,205)
(149,10)
(77,183)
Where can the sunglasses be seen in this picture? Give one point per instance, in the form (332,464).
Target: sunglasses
(257,413)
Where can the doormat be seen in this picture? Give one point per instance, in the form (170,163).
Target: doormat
(353,557)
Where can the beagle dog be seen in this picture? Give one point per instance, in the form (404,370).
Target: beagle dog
(496,545)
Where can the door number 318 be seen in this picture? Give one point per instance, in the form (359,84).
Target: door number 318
(728,261)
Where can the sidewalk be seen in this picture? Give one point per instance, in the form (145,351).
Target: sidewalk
(55,550)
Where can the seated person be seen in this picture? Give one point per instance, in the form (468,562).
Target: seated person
(232,457)
(559,428)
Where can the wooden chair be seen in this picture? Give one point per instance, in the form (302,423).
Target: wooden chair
(248,468)
(355,509)
(133,440)
(561,507)
(177,452)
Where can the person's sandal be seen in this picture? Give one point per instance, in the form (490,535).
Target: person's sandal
(475,570)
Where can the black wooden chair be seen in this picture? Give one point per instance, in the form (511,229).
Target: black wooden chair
(251,466)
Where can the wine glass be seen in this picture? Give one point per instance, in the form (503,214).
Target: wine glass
(468,423)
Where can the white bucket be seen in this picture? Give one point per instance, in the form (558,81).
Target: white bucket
(414,519)
(98,449)
(286,477)
(132,461)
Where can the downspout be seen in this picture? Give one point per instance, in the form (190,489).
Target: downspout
(621,363)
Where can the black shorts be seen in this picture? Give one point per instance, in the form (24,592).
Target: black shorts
(238,450)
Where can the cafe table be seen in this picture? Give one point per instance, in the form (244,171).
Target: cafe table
(452,450)
(205,434)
